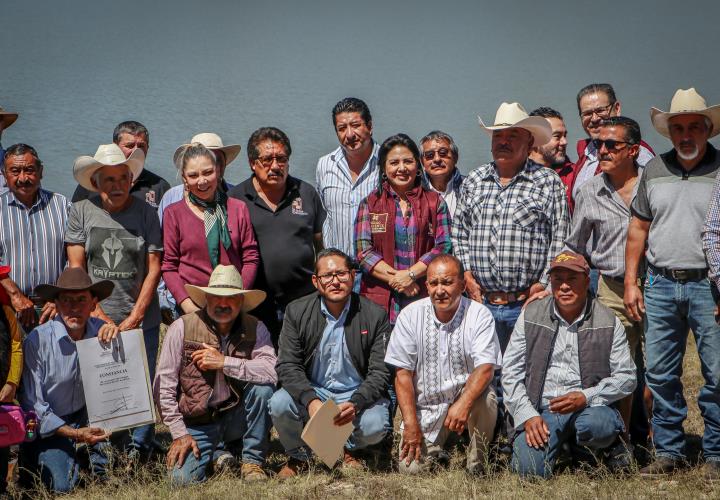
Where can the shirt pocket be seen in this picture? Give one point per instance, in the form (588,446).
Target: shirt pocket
(527,215)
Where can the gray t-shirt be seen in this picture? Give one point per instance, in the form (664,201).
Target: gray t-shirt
(675,202)
(116,247)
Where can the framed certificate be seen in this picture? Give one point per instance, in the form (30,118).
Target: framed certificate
(116,382)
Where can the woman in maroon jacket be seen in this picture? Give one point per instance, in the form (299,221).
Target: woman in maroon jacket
(205,229)
(399,228)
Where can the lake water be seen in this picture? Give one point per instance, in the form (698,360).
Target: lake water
(75,69)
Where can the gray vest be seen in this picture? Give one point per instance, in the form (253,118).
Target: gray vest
(595,337)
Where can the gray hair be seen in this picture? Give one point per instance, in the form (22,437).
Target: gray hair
(439,135)
(95,177)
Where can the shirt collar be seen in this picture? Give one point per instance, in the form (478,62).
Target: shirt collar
(41,201)
(708,158)
(583,313)
(525,172)
(329,316)
(60,330)
(457,318)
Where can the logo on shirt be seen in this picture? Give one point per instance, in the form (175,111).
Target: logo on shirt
(297,208)
(378,223)
(363,332)
(112,251)
(150,199)
(114,254)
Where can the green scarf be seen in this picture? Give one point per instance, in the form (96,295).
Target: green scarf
(215,218)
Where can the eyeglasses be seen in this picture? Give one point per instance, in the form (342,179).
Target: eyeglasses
(610,144)
(267,161)
(326,279)
(442,153)
(601,112)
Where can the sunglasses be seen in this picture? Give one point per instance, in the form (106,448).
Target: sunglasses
(610,144)
(441,152)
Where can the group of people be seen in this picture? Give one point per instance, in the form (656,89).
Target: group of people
(515,306)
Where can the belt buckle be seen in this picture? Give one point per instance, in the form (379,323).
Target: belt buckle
(496,300)
(679,274)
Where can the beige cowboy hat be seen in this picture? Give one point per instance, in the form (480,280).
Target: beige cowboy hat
(75,279)
(212,142)
(7,118)
(686,102)
(105,156)
(511,115)
(225,281)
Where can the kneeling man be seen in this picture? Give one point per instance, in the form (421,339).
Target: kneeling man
(215,376)
(445,350)
(567,366)
(52,384)
(332,346)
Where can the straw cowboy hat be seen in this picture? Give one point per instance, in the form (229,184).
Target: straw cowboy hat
(7,118)
(511,115)
(105,156)
(225,281)
(686,102)
(213,142)
(75,279)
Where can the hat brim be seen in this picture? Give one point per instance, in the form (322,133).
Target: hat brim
(660,119)
(253,298)
(7,119)
(101,290)
(230,151)
(86,166)
(538,126)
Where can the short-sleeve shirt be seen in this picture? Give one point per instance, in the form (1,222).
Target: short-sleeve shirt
(116,247)
(675,203)
(285,237)
(149,188)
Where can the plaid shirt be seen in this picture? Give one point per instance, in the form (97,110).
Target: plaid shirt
(405,230)
(507,235)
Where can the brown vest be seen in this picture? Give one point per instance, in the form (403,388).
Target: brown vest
(195,386)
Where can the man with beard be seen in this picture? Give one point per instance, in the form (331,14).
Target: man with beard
(669,210)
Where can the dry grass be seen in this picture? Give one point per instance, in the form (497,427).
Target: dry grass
(149,483)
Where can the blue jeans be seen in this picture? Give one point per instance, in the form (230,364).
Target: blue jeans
(671,309)
(54,459)
(595,428)
(248,421)
(141,438)
(371,425)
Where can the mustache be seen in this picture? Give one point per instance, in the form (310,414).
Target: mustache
(222,310)
(503,149)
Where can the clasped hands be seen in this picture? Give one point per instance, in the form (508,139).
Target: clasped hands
(401,282)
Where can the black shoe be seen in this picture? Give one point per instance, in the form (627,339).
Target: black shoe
(662,466)
(711,470)
(619,457)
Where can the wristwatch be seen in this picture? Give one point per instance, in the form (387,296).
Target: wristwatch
(412,275)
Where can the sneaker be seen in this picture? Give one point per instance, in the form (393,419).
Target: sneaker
(224,462)
(352,463)
(619,457)
(252,472)
(292,468)
(711,470)
(662,466)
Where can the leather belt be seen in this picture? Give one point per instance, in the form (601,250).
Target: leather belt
(504,298)
(681,274)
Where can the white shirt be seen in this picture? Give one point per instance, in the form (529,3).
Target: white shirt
(449,196)
(441,355)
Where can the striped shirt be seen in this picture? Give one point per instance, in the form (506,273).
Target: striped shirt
(32,240)
(600,223)
(507,235)
(341,196)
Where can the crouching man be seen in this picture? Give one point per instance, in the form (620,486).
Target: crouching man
(52,385)
(446,351)
(567,365)
(332,346)
(214,379)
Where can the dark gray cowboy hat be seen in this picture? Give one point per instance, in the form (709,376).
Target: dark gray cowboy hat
(75,279)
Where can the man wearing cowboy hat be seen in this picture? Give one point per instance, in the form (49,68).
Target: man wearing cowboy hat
(147,186)
(7,118)
(673,195)
(216,374)
(115,236)
(511,218)
(52,384)
(285,213)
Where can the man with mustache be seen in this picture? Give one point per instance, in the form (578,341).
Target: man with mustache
(566,367)
(673,195)
(32,235)
(216,374)
(445,350)
(439,155)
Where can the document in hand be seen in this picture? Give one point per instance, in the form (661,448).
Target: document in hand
(324,437)
(116,382)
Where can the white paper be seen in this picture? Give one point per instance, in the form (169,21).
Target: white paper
(325,438)
(116,382)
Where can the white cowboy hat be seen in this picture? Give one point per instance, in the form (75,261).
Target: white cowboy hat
(212,142)
(512,114)
(105,156)
(686,102)
(7,118)
(225,281)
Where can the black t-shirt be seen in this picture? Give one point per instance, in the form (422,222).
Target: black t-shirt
(285,238)
(149,188)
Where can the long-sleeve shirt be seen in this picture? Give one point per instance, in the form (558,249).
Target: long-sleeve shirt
(187,260)
(259,369)
(52,385)
(563,373)
(16,354)
(507,235)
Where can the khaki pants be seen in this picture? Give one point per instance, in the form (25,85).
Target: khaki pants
(481,425)
(610,294)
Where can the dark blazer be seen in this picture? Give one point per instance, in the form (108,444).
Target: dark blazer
(367,332)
